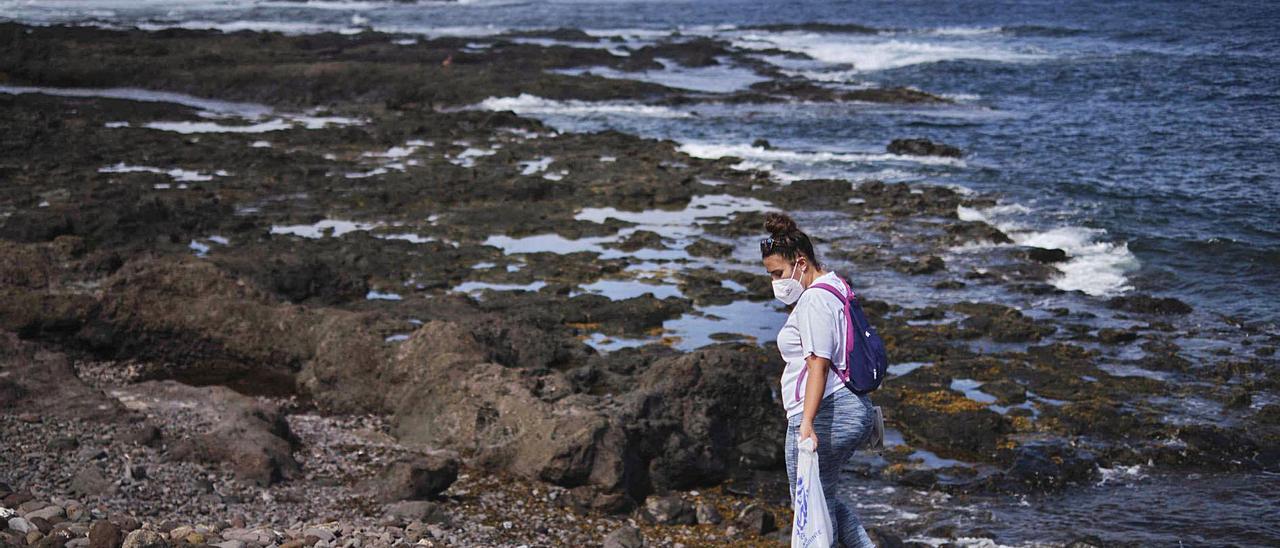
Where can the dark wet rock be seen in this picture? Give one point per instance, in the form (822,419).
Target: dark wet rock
(1000,323)
(669,510)
(695,441)
(812,194)
(302,278)
(1269,414)
(1240,398)
(922,147)
(949,284)
(922,478)
(625,537)
(640,239)
(422,477)
(762,143)
(444,398)
(104,534)
(698,52)
(416,74)
(705,286)
(661,439)
(1087,541)
(756,520)
(840,28)
(945,422)
(249,437)
(707,514)
(885,539)
(1042,255)
(903,200)
(1109,335)
(1147,304)
(1006,391)
(708,248)
(1217,446)
(1050,464)
(921,266)
(976,231)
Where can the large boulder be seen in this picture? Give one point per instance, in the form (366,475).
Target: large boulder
(696,416)
(247,436)
(423,476)
(445,394)
(688,421)
(36,380)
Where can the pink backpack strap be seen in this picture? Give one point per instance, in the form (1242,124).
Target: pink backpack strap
(848,316)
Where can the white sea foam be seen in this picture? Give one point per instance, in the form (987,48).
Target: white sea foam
(720,78)
(758,154)
(1095,267)
(532,104)
(1120,474)
(873,53)
(962,31)
(324,5)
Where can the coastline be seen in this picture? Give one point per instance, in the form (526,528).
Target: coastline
(328,269)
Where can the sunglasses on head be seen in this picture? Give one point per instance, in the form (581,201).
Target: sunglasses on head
(767,245)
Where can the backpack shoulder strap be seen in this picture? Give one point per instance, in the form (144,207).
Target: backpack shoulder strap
(849,336)
(843,299)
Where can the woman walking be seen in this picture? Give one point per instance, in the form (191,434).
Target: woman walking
(812,343)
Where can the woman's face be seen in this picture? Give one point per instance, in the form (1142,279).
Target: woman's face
(779,267)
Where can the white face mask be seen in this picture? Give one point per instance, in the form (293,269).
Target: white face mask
(788,290)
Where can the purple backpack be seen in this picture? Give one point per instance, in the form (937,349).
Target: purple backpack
(866,362)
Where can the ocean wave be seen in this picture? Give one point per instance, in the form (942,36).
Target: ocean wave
(1095,267)
(753,153)
(532,104)
(875,53)
(336,5)
(962,31)
(723,77)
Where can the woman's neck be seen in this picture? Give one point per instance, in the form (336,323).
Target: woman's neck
(813,275)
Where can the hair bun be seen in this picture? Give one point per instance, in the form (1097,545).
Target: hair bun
(779,224)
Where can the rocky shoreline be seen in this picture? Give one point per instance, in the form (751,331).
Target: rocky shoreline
(296,317)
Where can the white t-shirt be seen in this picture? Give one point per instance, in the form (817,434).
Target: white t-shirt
(816,326)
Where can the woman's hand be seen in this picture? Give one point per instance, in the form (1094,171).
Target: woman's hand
(806,431)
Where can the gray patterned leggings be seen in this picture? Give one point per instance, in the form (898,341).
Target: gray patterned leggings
(843,424)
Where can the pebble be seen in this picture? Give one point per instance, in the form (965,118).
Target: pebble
(48,512)
(21,525)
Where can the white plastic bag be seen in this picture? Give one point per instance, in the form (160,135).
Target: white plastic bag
(811,526)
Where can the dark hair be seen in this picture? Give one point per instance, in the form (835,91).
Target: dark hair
(786,239)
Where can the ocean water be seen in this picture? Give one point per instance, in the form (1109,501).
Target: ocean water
(1142,137)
